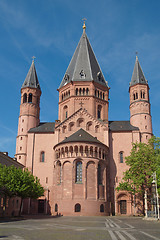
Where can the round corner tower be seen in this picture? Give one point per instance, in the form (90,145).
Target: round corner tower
(140,114)
(29,112)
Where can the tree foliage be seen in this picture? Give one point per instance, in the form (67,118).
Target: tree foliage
(144,159)
(17,182)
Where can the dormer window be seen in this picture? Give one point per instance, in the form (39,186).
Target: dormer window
(82,74)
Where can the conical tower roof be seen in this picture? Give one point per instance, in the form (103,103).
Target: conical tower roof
(84,65)
(31,78)
(138,75)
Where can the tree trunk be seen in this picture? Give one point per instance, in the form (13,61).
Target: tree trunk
(20,209)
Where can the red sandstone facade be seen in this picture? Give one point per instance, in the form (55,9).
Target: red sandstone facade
(80,158)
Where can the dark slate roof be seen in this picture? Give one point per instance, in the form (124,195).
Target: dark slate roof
(80,136)
(118,126)
(8,161)
(83,65)
(138,75)
(43,128)
(31,78)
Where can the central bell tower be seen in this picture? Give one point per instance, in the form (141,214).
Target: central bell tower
(83,84)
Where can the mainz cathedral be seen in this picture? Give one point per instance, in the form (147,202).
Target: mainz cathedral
(80,158)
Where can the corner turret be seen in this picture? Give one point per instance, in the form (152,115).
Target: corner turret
(29,112)
(140,114)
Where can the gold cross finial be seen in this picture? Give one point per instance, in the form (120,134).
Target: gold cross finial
(84,23)
(33,58)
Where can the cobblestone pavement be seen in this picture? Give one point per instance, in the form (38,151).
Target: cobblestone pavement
(76,228)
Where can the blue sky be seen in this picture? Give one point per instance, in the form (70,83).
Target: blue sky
(51,29)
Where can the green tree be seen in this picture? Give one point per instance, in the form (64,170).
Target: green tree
(20,183)
(142,162)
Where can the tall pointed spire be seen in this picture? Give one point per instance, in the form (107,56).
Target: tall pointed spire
(31,78)
(84,65)
(138,75)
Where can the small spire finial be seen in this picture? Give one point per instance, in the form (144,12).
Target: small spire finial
(33,58)
(84,24)
(136,55)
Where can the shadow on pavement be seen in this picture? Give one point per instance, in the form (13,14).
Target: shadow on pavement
(26,217)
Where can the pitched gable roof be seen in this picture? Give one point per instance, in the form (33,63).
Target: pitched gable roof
(80,136)
(47,127)
(120,126)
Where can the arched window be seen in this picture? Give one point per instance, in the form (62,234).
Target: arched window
(71,150)
(76,91)
(77,207)
(80,122)
(87,91)
(98,93)
(101,208)
(79,172)
(59,172)
(25,98)
(136,95)
(65,112)
(71,126)
(30,98)
(76,150)
(89,126)
(121,157)
(81,150)
(103,95)
(99,175)
(144,95)
(66,151)
(95,93)
(99,109)
(91,151)
(80,91)
(56,207)
(68,93)
(96,153)
(86,151)
(42,156)
(84,91)
(96,129)
(62,97)
(64,129)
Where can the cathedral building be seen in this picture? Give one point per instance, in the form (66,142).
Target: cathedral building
(80,158)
